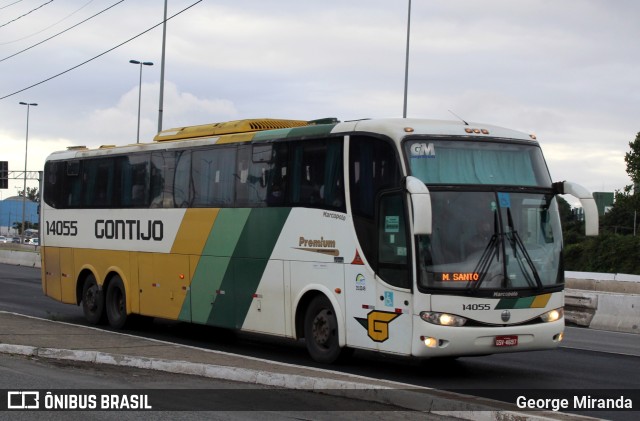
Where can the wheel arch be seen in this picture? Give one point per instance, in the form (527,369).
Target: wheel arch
(302,303)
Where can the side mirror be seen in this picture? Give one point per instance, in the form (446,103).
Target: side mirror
(420,205)
(587,201)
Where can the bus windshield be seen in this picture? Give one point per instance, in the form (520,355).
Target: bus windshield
(491,241)
(452,162)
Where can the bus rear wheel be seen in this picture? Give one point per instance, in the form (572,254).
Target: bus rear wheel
(116,303)
(92,301)
(321,331)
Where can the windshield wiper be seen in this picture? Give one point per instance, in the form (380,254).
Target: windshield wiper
(491,252)
(517,244)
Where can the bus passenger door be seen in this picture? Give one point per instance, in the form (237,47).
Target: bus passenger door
(379,298)
(393,318)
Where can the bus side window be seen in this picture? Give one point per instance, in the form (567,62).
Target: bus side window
(277,176)
(98,178)
(134,181)
(251,178)
(54,183)
(163,167)
(317,175)
(170,179)
(182,196)
(212,176)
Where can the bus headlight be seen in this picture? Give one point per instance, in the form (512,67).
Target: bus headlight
(442,319)
(553,315)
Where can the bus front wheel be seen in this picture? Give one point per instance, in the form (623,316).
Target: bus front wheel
(92,301)
(321,331)
(116,303)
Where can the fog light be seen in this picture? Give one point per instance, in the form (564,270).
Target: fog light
(429,342)
(559,337)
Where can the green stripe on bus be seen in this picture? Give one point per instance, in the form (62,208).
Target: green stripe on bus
(271,134)
(213,264)
(319,130)
(249,260)
(515,303)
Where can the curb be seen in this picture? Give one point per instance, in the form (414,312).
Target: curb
(446,404)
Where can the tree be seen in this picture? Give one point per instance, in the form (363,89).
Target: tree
(17,225)
(32,194)
(632,158)
(627,201)
(615,250)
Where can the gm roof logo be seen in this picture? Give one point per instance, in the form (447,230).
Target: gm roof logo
(422,150)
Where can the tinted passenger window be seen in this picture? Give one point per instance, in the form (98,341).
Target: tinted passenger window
(213,176)
(317,175)
(98,183)
(134,181)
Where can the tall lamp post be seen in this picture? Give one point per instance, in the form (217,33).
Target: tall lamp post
(141,63)
(24,186)
(406,64)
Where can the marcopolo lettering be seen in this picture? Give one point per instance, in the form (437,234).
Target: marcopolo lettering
(129,229)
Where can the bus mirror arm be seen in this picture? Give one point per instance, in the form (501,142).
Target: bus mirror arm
(587,201)
(421,205)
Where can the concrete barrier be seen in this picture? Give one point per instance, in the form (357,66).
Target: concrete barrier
(580,306)
(29,257)
(604,301)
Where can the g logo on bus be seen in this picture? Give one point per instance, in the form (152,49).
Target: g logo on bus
(505,316)
(377,324)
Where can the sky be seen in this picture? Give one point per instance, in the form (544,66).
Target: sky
(567,71)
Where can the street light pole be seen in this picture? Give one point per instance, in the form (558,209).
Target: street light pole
(164,43)
(406,63)
(141,63)
(24,186)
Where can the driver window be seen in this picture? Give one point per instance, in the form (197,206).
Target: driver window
(393,253)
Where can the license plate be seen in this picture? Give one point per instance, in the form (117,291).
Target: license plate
(506,341)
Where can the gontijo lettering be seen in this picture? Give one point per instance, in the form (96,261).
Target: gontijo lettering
(129,229)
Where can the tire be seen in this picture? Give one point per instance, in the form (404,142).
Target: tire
(116,304)
(321,331)
(93,301)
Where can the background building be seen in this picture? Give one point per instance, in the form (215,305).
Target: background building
(11,212)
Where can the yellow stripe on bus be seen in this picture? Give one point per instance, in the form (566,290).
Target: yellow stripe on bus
(541,301)
(194,231)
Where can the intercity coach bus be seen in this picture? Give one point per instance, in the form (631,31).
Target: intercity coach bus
(413,237)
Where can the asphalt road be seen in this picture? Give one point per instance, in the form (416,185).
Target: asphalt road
(588,361)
